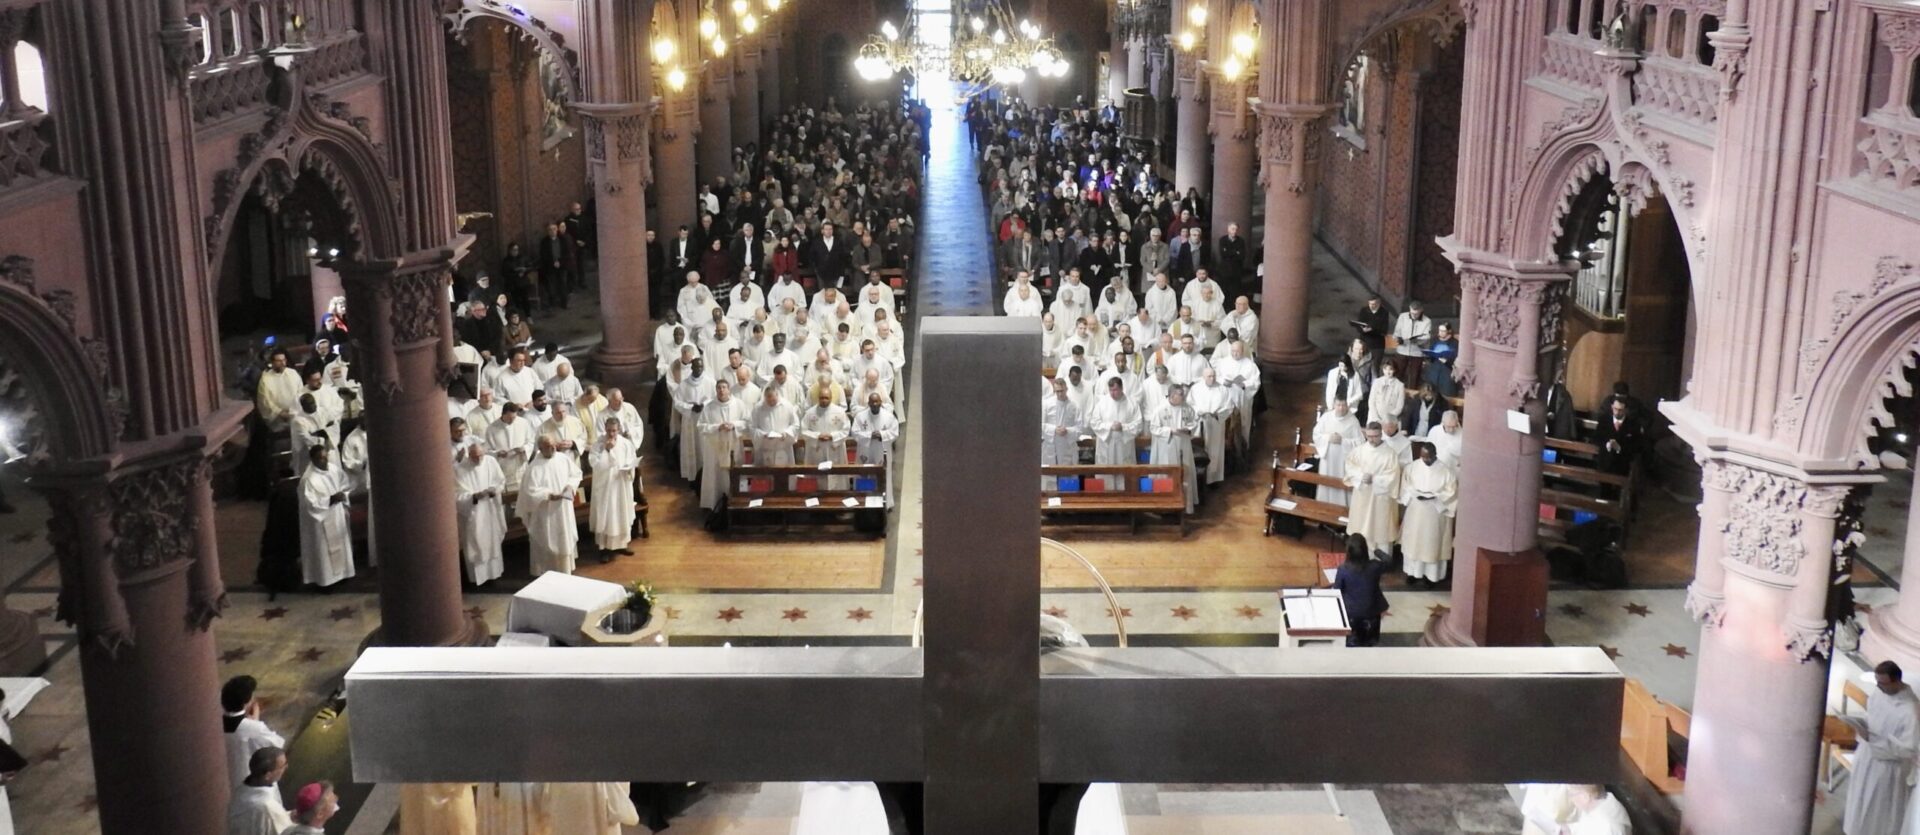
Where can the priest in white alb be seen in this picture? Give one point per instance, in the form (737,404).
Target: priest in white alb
(1214,403)
(1880,783)
(825,426)
(1335,434)
(775,424)
(326,535)
(545,504)
(1373,479)
(1239,372)
(723,427)
(1173,429)
(1430,493)
(511,440)
(874,430)
(689,398)
(1115,422)
(610,513)
(1060,429)
(479,490)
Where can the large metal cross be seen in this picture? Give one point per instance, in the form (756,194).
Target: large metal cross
(979,718)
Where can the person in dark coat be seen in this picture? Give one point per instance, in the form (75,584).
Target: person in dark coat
(1358,580)
(831,257)
(1620,436)
(1230,261)
(1372,324)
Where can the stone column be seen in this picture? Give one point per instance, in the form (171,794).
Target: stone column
(674,183)
(139,580)
(1136,63)
(746,92)
(771,102)
(1513,315)
(1290,138)
(617,155)
(716,120)
(1232,127)
(1893,632)
(1763,663)
(1190,137)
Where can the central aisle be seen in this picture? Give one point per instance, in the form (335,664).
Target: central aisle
(955,272)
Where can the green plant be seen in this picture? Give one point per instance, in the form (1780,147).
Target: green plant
(641,590)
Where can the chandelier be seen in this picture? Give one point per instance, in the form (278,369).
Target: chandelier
(992,48)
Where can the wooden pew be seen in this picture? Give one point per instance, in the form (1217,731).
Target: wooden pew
(1645,722)
(1121,495)
(1573,484)
(1283,501)
(808,490)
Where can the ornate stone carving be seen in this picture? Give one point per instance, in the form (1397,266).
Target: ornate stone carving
(90,597)
(1718,475)
(1808,641)
(416,301)
(1707,608)
(1685,91)
(1900,34)
(1464,375)
(1786,420)
(1887,272)
(235,89)
(534,30)
(1497,311)
(153,523)
(227,184)
(1762,528)
(18,270)
(1519,392)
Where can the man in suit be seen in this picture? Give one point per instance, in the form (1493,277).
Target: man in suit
(1189,255)
(749,254)
(1096,262)
(555,252)
(1620,436)
(830,257)
(1230,260)
(1155,258)
(1022,255)
(1422,413)
(656,273)
(1373,325)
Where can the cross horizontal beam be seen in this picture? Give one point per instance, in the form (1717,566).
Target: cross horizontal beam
(1106,715)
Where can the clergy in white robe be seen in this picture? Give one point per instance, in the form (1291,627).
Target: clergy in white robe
(547,490)
(667,339)
(563,386)
(479,489)
(1214,403)
(1153,390)
(1072,299)
(775,425)
(1060,426)
(1448,440)
(1185,365)
(745,301)
(723,427)
(780,356)
(592,808)
(1879,787)
(1335,434)
(326,398)
(1116,304)
(870,384)
(1387,396)
(1115,422)
(1239,372)
(511,439)
(825,426)
(631,426)
(689,398)
(610,513)
(481,414)
(1023,300)
(715,345)
(1240,322)
(1208,310)
(277,397)
(874,430)
(1143,328)
(514,809)
(568,431)
(1163,304)
(695,305)
(326,535)
(1373,479)
(825,303)
(518,381)
(1199,287)
(1544,807)
(1429,490)
(784,289)
(1597,812)
(310,428)
(1173,429)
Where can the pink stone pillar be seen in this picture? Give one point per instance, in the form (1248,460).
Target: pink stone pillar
(1117,74)
(1289,147)
(1136,64)
(771,102)
(1232,157)
(1893,632)
(674,161)
(1190,128)
(618,161)
(1762,680)
(746,94)
(716,121)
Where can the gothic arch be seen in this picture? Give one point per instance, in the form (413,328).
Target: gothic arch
(544,38)
(1441,19)
(64,371)
(1853,371)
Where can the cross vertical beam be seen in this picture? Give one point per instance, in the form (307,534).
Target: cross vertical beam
(982,571)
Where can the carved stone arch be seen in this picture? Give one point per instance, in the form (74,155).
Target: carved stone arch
(65,372)
(1851,373)
(536,31)
(1440,20)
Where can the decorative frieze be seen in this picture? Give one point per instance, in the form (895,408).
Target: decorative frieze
(1764,516)
(153,522)
(416,301)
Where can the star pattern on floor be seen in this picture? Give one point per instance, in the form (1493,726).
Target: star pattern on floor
(1573,611)
(476,612)
(1439,609)
(273,613)
(1055,611)
(1637,609)
(310,655)
(673,613)
(730,614)
(1125,612)
(792,615)
(342,613)
(53,755)
(859,614)
(1184,613)
(234,655)
(1676,650)
(919,581)
(1613,653)
(1249,612)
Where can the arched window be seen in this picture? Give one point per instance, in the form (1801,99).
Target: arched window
(1573,16)
(201,25)
(32,75)
(1677,33)
(1703,49)
(261,31)
(1648,21)
(229,33)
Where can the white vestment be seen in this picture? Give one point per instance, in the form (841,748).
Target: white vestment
(308,431)
(773,434)
(1373,477)
(1447,446)
(723,427)
(564,389)
(1243,376)
(866,423)
(1214,404)
(517,386)
(248,736)
(257,810)
(1031,305)
(545,503)
(1060,431)
(831,421)
(1879,787)
(784,289)
(1184,368)
(1113,311)
(277,398)
(1173,431)
(696,307)
(483,522)
(1543,808)
(1333,456)
(1387,397)
(1246,325)
(1114,446)
(514,809)
(1071,301)
(610,513)
(691,393)
(592,808)
(1163,305)
(1431,496)
(326,535)
(512,444)
(1607,817)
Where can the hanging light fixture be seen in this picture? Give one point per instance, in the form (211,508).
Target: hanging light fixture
(1197,15)
(749,24)
(995,47)
(709,27)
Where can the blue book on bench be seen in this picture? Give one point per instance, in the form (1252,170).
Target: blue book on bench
(1145,456)
(864,485)
(1146,484)
(1069,484)
(1551,456)
(1581,517)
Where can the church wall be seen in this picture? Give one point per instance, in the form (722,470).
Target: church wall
(1082,24)
(41,222)
(1352,188)
(814,30)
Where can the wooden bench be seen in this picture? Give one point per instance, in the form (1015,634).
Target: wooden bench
(1570,488)
(1645,722)
(1121,492)
(1283,502)
(783,491)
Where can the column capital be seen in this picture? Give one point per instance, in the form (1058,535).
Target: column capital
(1290,138)
(402,304)
(619,135)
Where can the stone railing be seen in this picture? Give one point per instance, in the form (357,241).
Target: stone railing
(1572,61)
(227,89)
(1889,149)
(341,56)
(1137,120)
(1687,91)
(23,149)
